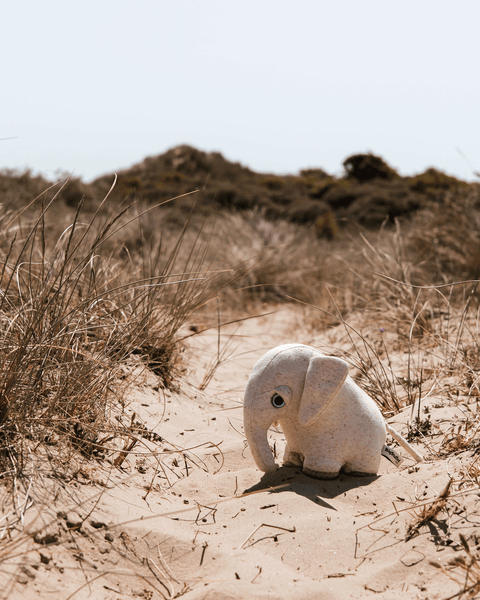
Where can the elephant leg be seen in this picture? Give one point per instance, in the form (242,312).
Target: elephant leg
(359,474)
(292,458)
(323,468)
(362,468)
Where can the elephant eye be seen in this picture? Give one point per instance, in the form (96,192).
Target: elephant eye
(277,401)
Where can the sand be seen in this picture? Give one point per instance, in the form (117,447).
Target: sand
(207,524)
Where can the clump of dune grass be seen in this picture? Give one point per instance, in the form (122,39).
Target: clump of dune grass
(445,236)
(72,310)
(268,260)
(404,334)
(402,367)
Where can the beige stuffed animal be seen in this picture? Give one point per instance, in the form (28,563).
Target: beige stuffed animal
(329,422)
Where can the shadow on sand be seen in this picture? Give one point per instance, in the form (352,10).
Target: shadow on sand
(292,479)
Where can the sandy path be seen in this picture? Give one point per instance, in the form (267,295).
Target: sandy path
(221,530)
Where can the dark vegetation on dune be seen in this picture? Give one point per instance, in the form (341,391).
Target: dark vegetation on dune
(370,192)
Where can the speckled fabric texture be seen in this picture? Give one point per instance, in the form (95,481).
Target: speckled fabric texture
(329,422)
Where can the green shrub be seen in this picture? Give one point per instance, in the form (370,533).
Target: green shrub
(307,212)
(318,189)
(130,183)
(365,167)
(381,202)
(432,182)
(172,177)
(272,183)
(75,191)
(340,193)
(314,174)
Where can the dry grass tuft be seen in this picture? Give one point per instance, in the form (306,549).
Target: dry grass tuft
(270,260)
(430,512)
(469,565)
(446,237)
(72,311)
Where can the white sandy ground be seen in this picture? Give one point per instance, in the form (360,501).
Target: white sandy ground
(218,529)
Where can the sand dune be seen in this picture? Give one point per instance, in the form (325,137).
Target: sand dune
(207,524)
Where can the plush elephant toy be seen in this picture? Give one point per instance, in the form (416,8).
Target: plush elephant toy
(330,423)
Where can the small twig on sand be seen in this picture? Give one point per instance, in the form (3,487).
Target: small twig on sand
(170,592)
(165,566)
(266,525)
(128,446)
(204,547)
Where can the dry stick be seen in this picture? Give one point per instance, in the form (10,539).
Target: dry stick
(272,312)
(219,329)
(410,336)
(165,566)
(80,556)
(266,525)
(23,507)
(431,512)
(150,487)
(128,446)
(409,508)
(426,287)
(204,547)
(212,511)
(99,497)
(215,363)
(418,457)
(217,446)
(157,578)
(239,432)
(464,591)
(177,450)
(170,591)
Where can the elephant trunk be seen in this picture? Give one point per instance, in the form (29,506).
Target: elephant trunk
(257,440)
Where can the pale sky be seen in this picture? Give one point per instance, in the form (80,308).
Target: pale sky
(95,86)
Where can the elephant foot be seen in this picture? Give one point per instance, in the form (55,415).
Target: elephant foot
(320,474)
(360,474)
(293,459)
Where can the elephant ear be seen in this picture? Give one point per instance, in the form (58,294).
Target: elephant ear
(324,378)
